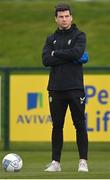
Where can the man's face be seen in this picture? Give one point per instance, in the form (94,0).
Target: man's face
(63,19)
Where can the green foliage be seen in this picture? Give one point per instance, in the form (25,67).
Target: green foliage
(24,26)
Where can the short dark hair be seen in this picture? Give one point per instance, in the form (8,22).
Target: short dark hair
(62,7)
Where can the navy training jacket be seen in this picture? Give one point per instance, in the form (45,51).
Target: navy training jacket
(68,46)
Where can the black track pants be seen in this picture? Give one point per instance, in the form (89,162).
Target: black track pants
(59,101)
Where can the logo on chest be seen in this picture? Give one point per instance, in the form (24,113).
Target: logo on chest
(54,42)
(69,41)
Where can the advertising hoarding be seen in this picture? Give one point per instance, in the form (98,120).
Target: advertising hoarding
(30,118)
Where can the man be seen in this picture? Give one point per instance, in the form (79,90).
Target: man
(62,52)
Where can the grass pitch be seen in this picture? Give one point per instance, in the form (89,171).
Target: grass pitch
(35,161)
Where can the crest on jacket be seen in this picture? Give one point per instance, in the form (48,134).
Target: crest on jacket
(69,41)
(54,42)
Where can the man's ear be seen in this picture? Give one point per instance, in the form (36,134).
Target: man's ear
(71,18)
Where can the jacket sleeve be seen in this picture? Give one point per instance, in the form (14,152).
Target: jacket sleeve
(47,58)
(75,53)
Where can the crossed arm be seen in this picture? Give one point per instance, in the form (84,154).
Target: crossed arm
(53,57)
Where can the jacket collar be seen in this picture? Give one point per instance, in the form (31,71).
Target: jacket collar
(61,31)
